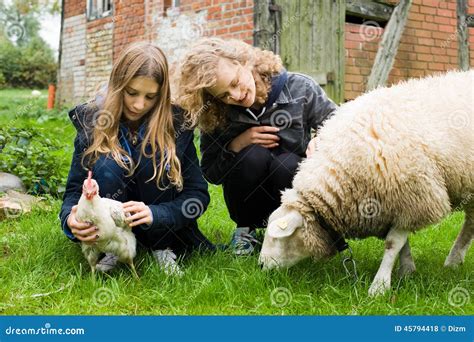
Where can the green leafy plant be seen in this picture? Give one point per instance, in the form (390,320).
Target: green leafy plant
(30,154)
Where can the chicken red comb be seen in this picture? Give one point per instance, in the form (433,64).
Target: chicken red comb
(89,178)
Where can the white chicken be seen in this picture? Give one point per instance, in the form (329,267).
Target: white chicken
(116,237)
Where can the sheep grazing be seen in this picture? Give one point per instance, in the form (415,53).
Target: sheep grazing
(388,163)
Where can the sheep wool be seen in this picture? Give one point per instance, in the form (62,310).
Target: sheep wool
(399,157)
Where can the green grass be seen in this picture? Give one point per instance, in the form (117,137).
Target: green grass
(37,259)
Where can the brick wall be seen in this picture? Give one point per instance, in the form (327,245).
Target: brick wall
(72,74)
(129,23)
(428,45)
(74,7)
(99,56)
(173,30)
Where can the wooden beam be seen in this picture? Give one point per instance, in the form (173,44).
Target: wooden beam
(463,35)
(389,46)
(369,10)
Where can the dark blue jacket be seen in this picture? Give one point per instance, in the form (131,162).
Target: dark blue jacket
(296,104)
(166,205)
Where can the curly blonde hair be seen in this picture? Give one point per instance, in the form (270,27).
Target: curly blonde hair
(198,72)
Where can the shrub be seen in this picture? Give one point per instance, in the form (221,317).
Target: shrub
(30,154)
(28,66)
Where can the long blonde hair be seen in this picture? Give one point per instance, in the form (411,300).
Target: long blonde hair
(138,59)
(198,71)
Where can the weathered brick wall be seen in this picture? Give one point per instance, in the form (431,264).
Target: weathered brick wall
(175,29)
(99,56)
(428,45)
(129,23)
(74,7)
(72,74)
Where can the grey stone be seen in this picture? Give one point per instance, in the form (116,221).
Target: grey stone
(10,182)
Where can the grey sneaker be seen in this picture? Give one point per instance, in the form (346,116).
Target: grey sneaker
(243,241)
(107,263)
(166,260)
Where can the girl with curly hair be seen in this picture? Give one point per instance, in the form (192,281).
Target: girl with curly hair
(133,140)
(256,120)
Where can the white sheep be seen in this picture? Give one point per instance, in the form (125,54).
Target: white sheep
(388,163)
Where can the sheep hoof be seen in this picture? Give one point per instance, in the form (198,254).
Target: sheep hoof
(378,288)
(406,270)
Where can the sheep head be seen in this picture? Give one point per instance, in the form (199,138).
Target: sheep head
(284,243)
(294,234)
(90,188)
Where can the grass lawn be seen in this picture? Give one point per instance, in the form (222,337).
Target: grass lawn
(42,272)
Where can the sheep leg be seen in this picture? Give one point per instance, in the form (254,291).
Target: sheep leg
(407,265)
(394,242)
(463,241)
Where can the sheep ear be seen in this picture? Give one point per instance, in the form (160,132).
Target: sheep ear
(286,225)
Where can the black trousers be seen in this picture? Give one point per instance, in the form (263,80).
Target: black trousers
(183,241)
(252,189)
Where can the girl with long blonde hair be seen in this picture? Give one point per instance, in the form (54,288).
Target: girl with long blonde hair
(256,120)
(134,141)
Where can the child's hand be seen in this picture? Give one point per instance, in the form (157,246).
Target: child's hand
(311,148)
(260,135)
(140,213)
(83,231)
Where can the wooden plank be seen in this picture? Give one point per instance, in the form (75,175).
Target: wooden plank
(312,42)
(389,46)
(369,10)
(263,26)
(463,35)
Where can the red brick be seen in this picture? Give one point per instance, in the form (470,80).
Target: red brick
(443,59)
(436,66)
(423,57)
(445,13)
(422,49)
(423,33)
(442,20)
(426,41)
(427,10)
(416,16)
(431,3)
(446,28)
(429,26)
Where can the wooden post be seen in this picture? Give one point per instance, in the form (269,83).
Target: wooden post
(263,25)
(463,40)
(389,46)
